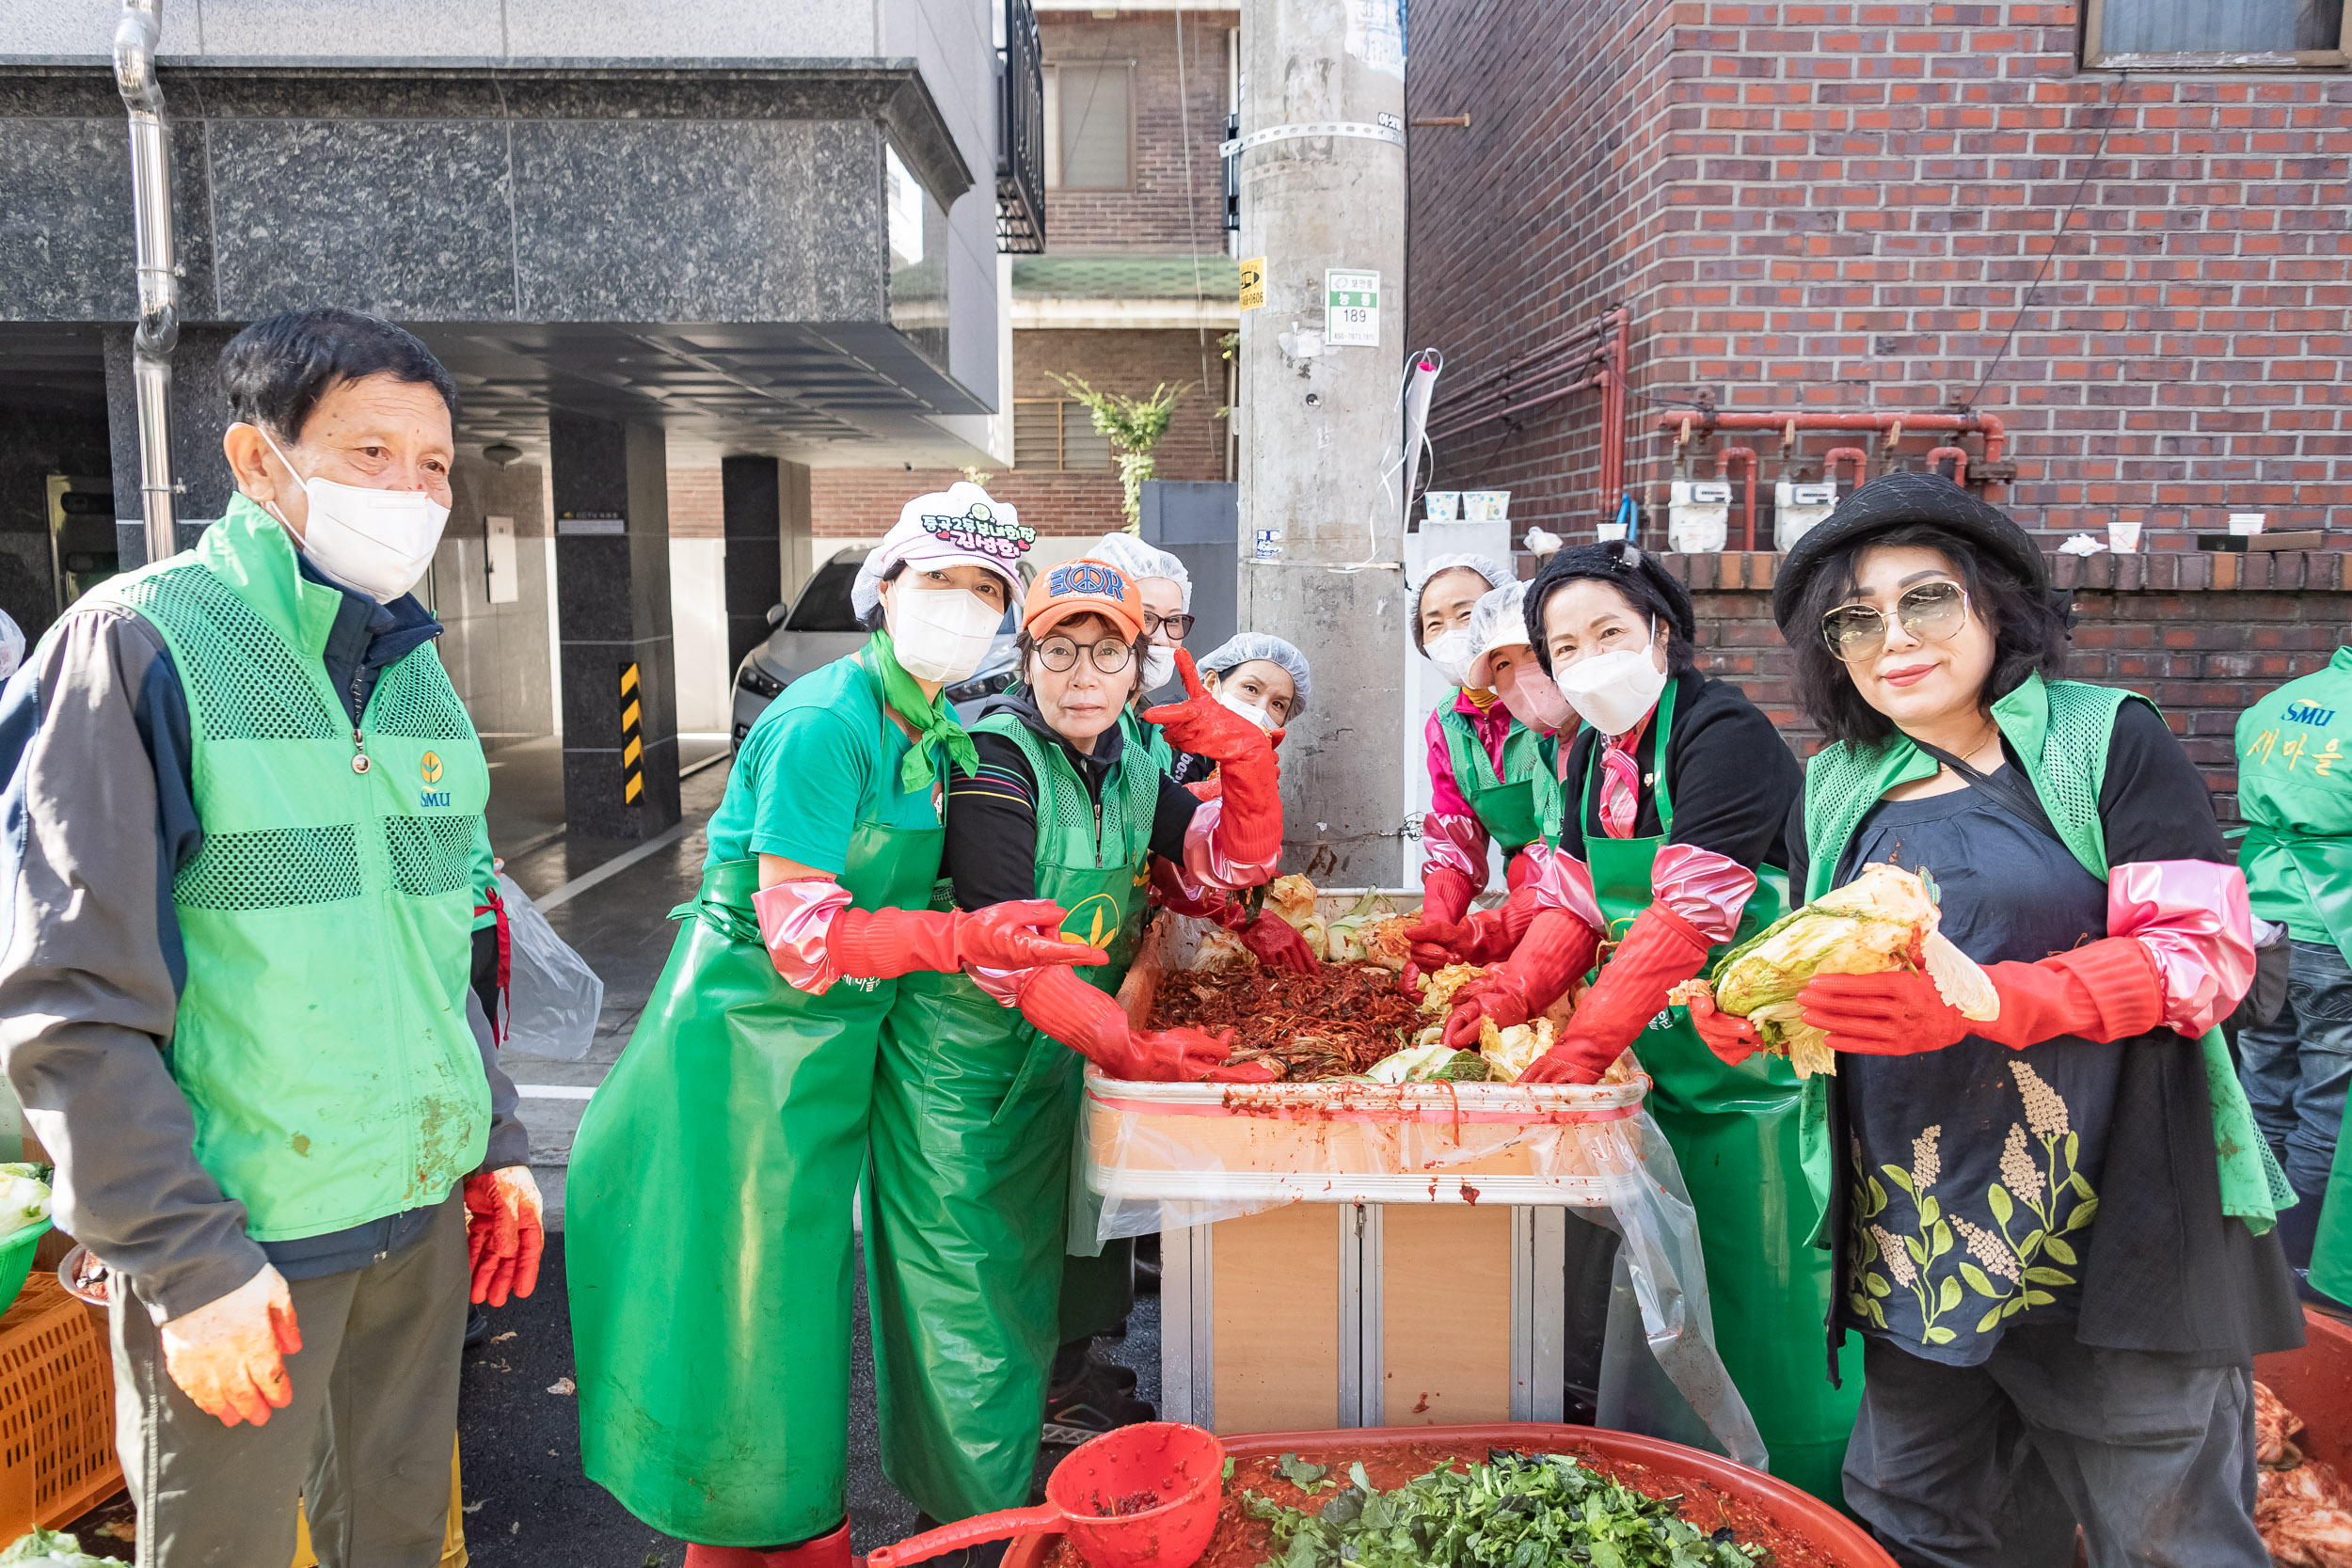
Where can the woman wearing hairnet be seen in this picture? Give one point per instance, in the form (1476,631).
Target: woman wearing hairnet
(1166,588)
(1479,755)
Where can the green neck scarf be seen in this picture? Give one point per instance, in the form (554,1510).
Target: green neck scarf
(932,716)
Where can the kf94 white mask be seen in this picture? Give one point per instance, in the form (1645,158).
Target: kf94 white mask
(1159,667)
(1452,653)
(1612,690)
(940,634)
(372,542)
(1234,701)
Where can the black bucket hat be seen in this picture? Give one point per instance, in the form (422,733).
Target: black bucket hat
(1633,572)
(1893,501)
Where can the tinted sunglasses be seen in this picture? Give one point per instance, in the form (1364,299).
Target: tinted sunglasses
(1929,612)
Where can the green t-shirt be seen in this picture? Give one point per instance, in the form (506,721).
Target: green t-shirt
(2294,784)
(823,756)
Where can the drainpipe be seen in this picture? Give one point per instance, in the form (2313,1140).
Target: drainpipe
(135,37)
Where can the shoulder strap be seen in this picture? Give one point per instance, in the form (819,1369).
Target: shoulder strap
(2003,786)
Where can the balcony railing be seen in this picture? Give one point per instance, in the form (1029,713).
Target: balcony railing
(1019,134)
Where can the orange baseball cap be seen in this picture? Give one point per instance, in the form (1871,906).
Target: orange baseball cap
(1082,587)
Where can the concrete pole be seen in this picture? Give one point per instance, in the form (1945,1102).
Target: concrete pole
(1320,422)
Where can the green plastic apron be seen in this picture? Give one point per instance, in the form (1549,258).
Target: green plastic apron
(707,1238)
(975,1115)
(1734,1130)
(1509,804)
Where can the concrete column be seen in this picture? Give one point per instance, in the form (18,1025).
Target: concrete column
(610,486)
(1318,422)
(766,501)
(199,413)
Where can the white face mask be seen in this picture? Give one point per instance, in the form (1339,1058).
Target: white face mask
(1159,667)
(1452,653)
(1613,691)
(940,634)
(372,542)
(1234,701)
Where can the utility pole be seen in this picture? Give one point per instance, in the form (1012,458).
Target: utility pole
(1321,176)
(137,37)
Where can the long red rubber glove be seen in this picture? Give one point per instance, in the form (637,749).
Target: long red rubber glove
(883,944)
(2106,990)
(1278,944)
(1251,830)
(1659,951)
(1445,894)
(1731,1038)
(1480,937)
(1557,948)
(1092,1024)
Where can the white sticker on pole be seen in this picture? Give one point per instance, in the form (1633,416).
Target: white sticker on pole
(1376,35)
(1351,315)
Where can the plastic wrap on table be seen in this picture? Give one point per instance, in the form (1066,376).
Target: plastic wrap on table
(1164,1156)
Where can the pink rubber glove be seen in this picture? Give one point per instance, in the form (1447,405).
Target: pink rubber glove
(229,1355)
(503,1233)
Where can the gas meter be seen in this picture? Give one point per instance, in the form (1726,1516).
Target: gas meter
(1698,518)
(1797,507)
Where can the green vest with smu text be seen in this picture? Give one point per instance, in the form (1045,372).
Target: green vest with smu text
(321,1039)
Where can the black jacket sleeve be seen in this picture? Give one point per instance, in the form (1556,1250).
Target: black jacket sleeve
(991,854)
(1170,817)
(2154,802)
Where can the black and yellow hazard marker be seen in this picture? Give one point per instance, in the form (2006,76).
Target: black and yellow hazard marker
(632,738)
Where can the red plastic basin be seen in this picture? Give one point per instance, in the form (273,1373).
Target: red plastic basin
(1837,1541)
(2316,1383)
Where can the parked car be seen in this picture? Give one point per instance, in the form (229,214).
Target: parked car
(820,626)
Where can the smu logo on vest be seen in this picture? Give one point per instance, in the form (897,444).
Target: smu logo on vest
(429,770)
(2307,713)
(1094,923)
(1086,577)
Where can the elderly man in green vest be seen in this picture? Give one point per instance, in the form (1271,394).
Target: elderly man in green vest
(245,848)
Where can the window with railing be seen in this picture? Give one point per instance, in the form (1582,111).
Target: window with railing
(2216,35)
(1058,433)
(1021,133)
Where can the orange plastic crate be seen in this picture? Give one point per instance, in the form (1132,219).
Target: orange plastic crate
(57,1411)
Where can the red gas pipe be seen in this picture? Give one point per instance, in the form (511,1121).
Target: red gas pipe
(1731,455)
(1839,454)
(1960,462)
(1987,425)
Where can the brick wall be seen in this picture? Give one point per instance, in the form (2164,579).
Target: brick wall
(1151,216)
(862,504)
(696,510)
(1847,206)
(2203,635)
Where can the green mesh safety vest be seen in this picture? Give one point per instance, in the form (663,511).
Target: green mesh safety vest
(2060,731)
(1515,804)
(320,1038)
(1090,860)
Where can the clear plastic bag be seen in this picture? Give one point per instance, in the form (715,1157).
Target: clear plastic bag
(554,997)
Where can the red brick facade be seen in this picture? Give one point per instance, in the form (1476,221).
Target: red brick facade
(862,504)
(2203,635)
(1149,215)
(697,509)
(1847,206)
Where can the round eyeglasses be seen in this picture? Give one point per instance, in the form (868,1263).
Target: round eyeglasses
(1109,654)
(1929,613)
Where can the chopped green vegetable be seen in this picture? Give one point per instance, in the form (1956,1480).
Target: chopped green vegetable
(1300,1473)
(1519,1512)
(52,1549)
(1228,1475)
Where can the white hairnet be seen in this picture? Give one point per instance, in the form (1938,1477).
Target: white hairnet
(1486,566)
(1498,620)
(1244,646)
(1136,559)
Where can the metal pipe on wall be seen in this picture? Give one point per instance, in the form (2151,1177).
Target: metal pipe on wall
(1988,425)
(136,36)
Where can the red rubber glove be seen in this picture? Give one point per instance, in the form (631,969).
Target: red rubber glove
(1092,1024)
(1660,951)
(1445,893)
(2103,990)
(504,1235)
(1480,937)
(1557,948)
(883,944)
(1250,830)
(1731,1038)
(1278,944)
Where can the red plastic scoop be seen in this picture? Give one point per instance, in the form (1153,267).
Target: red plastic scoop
(1137,1496)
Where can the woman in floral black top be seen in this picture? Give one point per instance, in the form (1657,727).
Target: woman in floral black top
(2055,1264)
